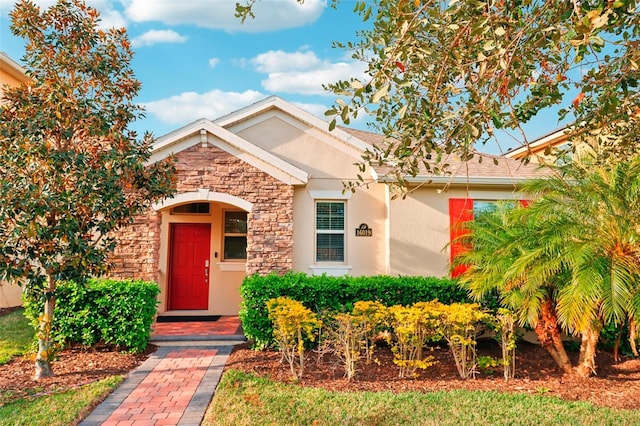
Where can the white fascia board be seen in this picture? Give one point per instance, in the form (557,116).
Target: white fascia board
(174,137)
(556,134)
(189,136)
(12,68)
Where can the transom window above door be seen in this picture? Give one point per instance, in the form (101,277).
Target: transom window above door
(191,208)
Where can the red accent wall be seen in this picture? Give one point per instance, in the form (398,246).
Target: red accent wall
(460,211)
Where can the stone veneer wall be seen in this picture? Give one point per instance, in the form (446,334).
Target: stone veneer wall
(136,255)
(270,227)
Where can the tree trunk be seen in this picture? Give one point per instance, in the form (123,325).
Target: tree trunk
(548,334)
(587,361)
(632,337)
(45,346)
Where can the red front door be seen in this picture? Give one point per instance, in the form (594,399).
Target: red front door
(189,266)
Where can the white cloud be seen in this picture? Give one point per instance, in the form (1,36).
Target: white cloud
(280,61)
(157,36)
(213,62)
(270,15)
(109,17)
(302,72)
(190,106)
(310,82)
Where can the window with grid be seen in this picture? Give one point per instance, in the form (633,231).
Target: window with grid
(235,235)
(330,231)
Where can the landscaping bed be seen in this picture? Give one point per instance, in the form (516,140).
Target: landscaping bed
(617,385)
(74,367)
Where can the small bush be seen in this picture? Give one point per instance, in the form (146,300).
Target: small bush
(413,326)
(293,324)
(459,325)
(504,324)
(339,294)
(374,318)
(118,313)
(345,337)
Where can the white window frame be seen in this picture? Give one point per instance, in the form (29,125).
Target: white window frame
(330,268)
(331,231)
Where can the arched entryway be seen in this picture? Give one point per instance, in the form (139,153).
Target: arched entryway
(202,259)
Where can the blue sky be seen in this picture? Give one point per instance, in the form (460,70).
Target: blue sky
(195,59)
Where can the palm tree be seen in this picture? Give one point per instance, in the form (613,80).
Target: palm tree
(589,218)
(498,238)
(571,258)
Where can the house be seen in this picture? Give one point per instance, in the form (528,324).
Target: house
(11,75)
(261,190)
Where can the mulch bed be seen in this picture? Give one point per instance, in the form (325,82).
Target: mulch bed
(73,367)
(616,385)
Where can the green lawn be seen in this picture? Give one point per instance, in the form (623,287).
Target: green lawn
(244,399)
(16,335)
(58,409)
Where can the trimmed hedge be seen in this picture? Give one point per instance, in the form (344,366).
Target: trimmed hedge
(113,312)
(324,293)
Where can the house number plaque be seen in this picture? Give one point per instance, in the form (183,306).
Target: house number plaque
(364,231)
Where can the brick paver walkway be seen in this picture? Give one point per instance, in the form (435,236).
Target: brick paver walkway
(176,383)
(223,327)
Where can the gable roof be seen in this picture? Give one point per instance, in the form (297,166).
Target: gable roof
(274,106)
(206,132)
(222,134)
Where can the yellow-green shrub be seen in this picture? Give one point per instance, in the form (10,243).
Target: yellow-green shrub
(504,325)
(413,327)
(293,324)
(374,317)
(345,337)
(459,323)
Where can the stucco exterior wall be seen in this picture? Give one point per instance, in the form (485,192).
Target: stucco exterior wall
(419,228)
(329,162)
(304,147)
(364,255)
(10,295)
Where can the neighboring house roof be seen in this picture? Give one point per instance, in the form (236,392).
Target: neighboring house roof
(11,68)
(540,145)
